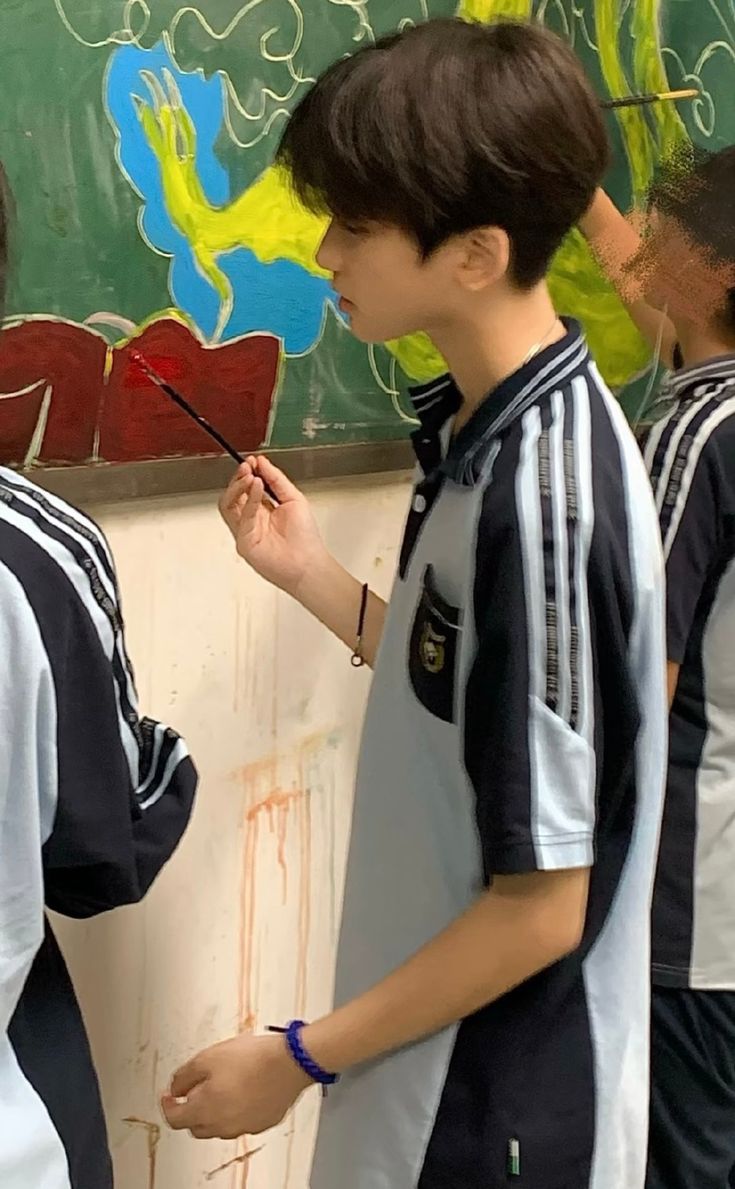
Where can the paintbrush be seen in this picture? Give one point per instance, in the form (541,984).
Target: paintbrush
(659,97)
(141,364)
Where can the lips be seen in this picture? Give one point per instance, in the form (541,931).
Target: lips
(66,398)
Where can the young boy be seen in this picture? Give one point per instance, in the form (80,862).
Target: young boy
(689,268)
(93,801)
(492,982)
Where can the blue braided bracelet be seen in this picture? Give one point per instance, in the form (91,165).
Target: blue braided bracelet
(302,1058)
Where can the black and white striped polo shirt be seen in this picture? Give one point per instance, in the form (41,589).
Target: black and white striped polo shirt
(690,454)
(516,723)
(93,800)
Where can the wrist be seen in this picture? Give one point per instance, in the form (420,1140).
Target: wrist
(344,1038)
(320,1045)
(316,582)
(284,1064)
(296,1047)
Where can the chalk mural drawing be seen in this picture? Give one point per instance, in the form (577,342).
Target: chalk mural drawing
(235,259)
(68,396)
(195,97)
(240,265)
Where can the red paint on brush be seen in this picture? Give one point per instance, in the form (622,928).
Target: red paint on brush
(168,367)
(231,385)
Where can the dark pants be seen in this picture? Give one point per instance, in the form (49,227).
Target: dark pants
(692,1139)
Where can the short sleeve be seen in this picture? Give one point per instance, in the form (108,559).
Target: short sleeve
(528,715)
(688,491)
(125,784)
(121,785)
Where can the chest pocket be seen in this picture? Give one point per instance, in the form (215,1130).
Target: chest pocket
(433,647)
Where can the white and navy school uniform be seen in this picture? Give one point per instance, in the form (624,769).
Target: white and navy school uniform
(516,723)
(690,454)
(93,801)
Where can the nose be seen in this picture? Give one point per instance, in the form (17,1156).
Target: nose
(327,256)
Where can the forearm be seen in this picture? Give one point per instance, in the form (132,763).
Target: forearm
(612,236)
(506,937)
(615,242)
(334,596)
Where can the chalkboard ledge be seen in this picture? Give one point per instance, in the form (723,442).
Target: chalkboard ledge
(103,484)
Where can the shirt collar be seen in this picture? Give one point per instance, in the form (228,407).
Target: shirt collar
(685,383)
(468,452)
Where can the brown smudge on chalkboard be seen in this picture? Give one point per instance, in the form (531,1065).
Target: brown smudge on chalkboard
(153,1135)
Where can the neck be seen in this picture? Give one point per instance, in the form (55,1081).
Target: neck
(491,344)
(702,343)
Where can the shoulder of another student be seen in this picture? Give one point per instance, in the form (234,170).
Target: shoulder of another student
(707,447)
(48,508)
(722,441)
(49,526)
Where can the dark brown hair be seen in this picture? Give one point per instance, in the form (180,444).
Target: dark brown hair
(450,126)
(696,189)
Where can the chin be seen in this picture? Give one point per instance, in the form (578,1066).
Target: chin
(365,334)
(370,340)
(373,334)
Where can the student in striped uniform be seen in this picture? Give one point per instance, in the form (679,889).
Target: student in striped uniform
(492,978)
(689,265)
(93,801)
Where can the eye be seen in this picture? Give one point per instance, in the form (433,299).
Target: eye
(354,229)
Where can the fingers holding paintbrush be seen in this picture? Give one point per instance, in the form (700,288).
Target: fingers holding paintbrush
(249,490)
(280,541)
(140,366)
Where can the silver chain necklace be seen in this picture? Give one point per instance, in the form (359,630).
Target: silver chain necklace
(541,343)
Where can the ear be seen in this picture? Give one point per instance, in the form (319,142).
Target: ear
(485,257)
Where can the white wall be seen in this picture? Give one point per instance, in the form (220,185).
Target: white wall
(241,927)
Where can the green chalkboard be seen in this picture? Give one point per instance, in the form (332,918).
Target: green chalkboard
(138,137)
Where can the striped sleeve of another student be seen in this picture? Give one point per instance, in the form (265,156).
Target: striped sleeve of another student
(123,785)
(690,455)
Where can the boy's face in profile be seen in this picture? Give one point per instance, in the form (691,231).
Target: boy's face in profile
(386,288)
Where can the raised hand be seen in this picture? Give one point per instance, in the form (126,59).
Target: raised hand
(281,542)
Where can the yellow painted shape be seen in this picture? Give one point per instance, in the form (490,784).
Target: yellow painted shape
(578,287)
(418,357)
(490,10)
(266,218)
(650,74)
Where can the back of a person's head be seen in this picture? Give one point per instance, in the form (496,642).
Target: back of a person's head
(450,126)
(696,189)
